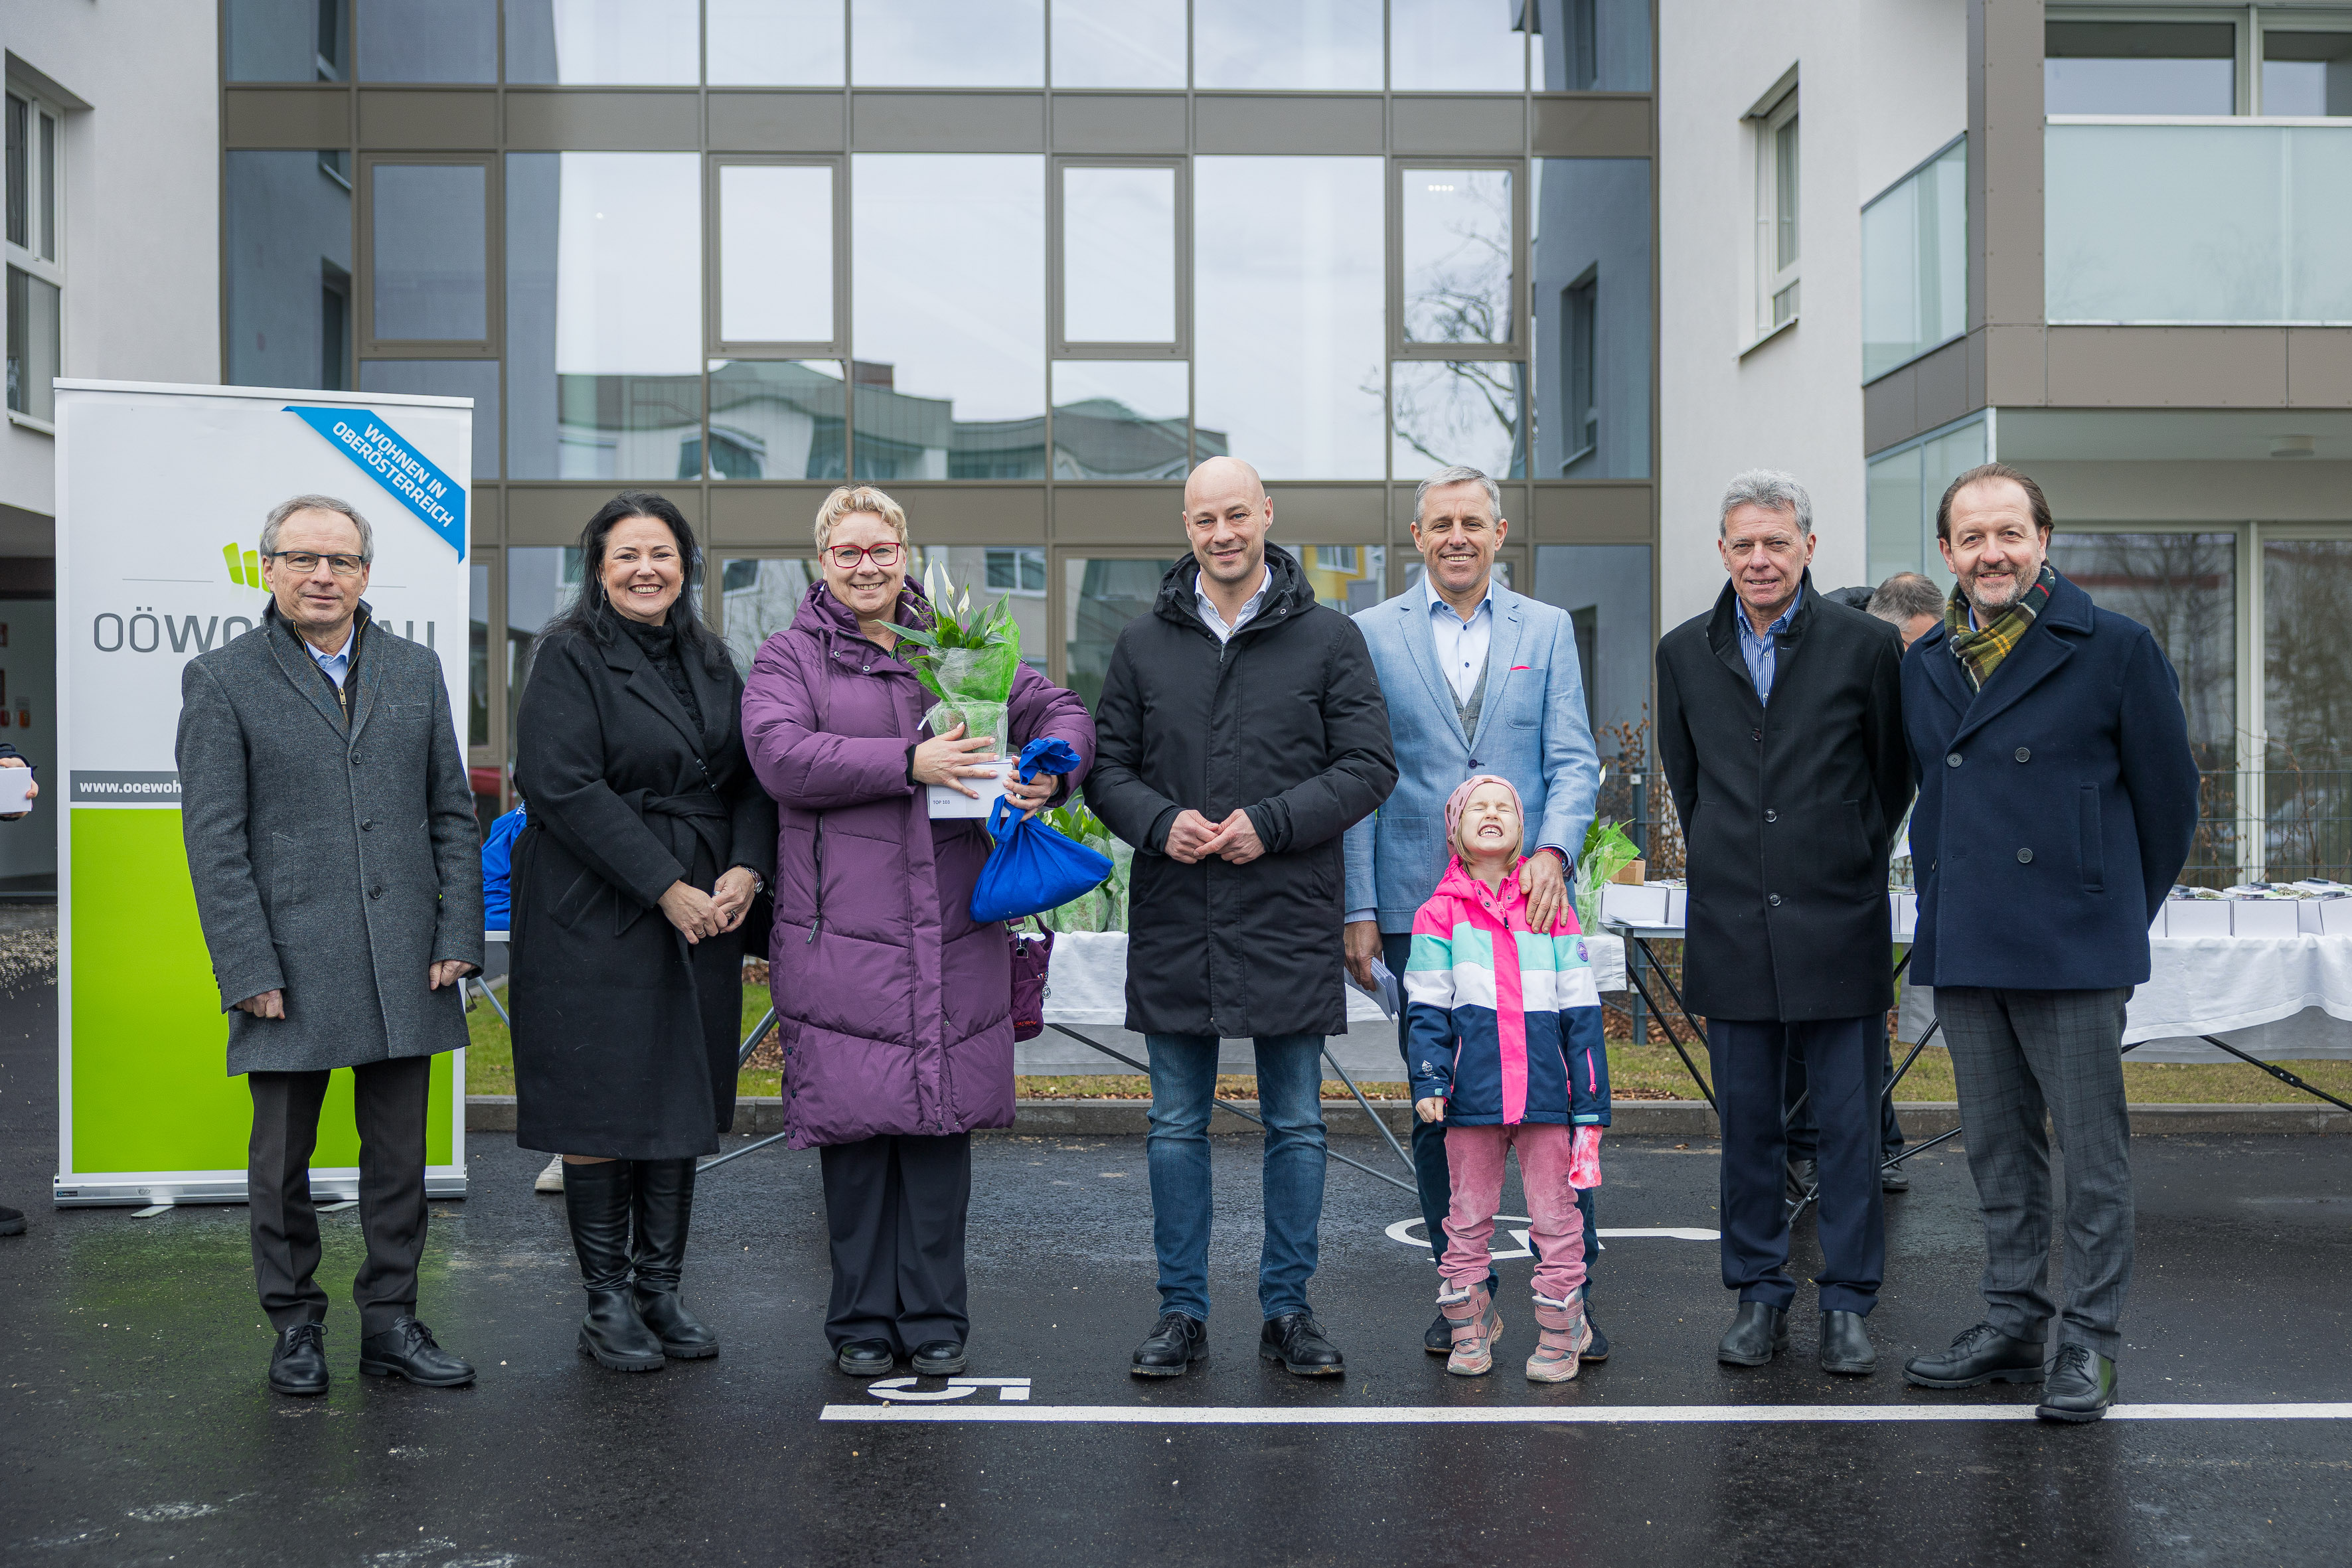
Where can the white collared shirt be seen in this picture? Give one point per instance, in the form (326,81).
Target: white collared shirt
(337,664)
(1461,645)
(1215,622)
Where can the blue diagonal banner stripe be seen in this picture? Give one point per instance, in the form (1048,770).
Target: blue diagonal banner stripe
(366,439)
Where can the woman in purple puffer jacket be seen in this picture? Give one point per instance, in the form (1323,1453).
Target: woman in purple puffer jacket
(896,1009)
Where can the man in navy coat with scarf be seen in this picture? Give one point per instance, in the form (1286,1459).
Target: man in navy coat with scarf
(2057,801)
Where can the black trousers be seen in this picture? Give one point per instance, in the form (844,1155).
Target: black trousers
(1841,1057)
(895,1208)
(391,1105)
(1805,1133)
(1431,1174)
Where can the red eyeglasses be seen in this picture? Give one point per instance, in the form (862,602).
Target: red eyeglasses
(848,557)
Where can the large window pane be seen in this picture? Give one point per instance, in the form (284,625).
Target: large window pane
(1460,410)
(1457,256)
(1288,315)
(33,344)
(774,43)
(288,259)
(428,40)
(603,315)
(2139,67)
(1015,575)
(949,305)
(542,582)
(1915,265)
(1591,333)
(1118,43)
(431,232)
(1593,45)
(474,378)
(947,43)
(1119,255)
(2307,708)
(757,599)
(1098,598)
(1344,577)
(1605,589)
(2307,73)
(1117,420)
(1301,44)
(287,40)
(589,43)
(775,253)
(1902,493)
(776,420)
(1455,46)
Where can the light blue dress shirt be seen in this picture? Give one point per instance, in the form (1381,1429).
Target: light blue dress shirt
(1762,653)
(337,664)
(1215,622)
(1461,645)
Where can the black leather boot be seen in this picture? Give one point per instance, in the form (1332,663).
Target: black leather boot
(1846,1344)
(1758,1333)
(663,1205)
(596,1201)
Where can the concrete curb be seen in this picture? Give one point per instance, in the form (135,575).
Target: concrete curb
(1631,1118)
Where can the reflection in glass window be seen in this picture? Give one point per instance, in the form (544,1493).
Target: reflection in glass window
(590,42)
(1118,43)
(289,256)
(2307,73)
(947,295)
(774,43)
(1592,331)
(976,567)
(1118,420)
(36,319)
(1593,45)
(1288,320)
(287,40)
(947,43)
(477,653)
(1344,577)
(474,378)
(757,599)
(1444,46)
(2139,67)
(775,253)
(430,227)
(1460,411)
(428,40)
(1098,598)
(1016,571)
(1903,490)
(1457,256)
(603,315)
(1605,589)
(776,420)
(2307,708)
(542,582)
(1119,255)
(1915,264)
(1303,44)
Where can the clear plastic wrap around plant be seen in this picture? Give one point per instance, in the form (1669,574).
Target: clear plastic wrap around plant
(1607,851)
(981,719)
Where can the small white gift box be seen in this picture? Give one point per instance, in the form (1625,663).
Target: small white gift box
(2264,917)
(2334,916)
(1635,904)
(2197,917)
(1906,910)
(945,801)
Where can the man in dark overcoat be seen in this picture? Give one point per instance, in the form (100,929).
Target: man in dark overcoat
(1241,733)
(2057,803)
(333,845)
(1779,728)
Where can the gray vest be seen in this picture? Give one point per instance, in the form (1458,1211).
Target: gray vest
(1467,709)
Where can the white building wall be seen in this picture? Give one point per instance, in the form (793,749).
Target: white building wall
(142,194)
(1882,84)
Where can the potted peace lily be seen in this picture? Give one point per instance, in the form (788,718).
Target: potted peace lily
(966,661)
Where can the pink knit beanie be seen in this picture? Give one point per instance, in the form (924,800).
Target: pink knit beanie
(1460,798)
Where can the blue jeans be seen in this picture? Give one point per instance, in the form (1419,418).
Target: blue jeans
(1290,1098)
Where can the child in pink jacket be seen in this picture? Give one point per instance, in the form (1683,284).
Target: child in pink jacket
(1507,1050)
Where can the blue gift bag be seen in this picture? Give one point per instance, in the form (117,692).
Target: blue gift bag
(1033,867)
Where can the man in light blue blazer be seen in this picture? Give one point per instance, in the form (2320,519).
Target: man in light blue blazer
(1478,680)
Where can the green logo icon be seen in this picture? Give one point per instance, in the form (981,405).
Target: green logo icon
(244,567)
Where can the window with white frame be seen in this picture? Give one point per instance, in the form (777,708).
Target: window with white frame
(35,252)
(1776,213)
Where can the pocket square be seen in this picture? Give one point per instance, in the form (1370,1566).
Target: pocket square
(1520,667)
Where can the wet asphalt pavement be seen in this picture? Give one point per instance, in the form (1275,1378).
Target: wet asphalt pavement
(135,1426)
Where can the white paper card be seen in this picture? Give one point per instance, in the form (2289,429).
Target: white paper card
(14,783)
(947,801)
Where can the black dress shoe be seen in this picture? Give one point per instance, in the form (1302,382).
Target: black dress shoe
(1175,1344)
(298,1363)
(937,1358)
(2081,1386)
(1894,1179)
(866,1358)
(1845,1345)
(406,1350)
(1296,1340)
(12,1221)
(1980,1355)
(1758,1333)
(1598,1350)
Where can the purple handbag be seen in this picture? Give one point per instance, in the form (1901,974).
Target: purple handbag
(1032,955)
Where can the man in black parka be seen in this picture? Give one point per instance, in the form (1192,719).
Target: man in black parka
(1241,733)
(1781,729)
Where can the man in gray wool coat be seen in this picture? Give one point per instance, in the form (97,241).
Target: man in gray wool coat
(332,840)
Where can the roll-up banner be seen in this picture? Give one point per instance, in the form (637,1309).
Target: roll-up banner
(161,491)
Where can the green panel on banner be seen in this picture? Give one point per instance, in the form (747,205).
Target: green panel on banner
(151,1086)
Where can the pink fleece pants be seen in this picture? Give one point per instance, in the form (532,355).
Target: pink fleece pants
(1474,1159)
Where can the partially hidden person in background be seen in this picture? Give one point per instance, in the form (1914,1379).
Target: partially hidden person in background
(1780,734)
(1477,678)
(2057,803)
(1242,734)
(647,840)
(894,1006)
(332,841)
(12,1221)
(1507,1054)
(498,906)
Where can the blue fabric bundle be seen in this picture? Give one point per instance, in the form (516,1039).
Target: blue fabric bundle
(1033,867)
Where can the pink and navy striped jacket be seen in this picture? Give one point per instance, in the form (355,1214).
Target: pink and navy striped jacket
(1505,1021)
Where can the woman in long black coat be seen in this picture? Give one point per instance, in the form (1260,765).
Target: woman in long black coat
(648,838)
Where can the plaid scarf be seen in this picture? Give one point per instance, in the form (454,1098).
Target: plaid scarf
(1982,649)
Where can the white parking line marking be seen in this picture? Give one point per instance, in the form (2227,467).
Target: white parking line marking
(1536,1415)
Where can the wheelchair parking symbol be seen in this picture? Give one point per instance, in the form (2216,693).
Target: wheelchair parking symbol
(1009,1390)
